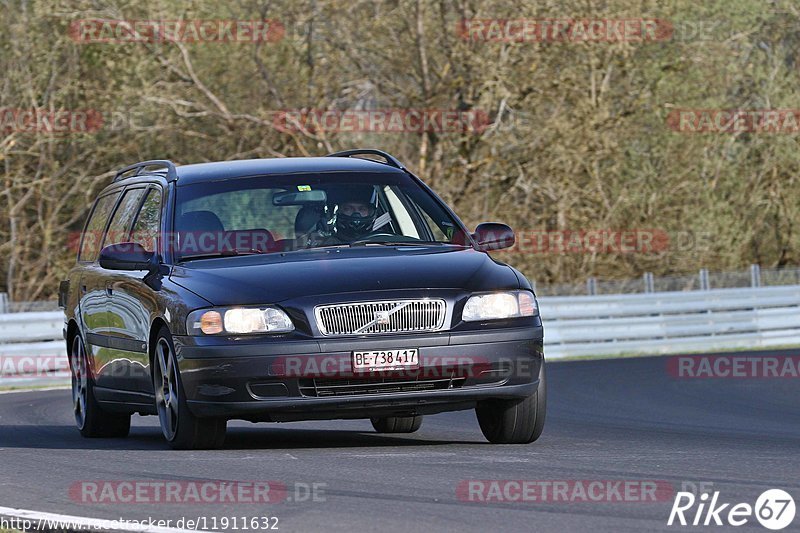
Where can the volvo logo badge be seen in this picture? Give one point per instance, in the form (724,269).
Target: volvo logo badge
(382,317)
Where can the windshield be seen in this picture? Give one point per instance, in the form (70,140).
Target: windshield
(271,214)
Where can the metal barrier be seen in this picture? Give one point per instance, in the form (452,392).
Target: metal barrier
(704,279)
(653,323)
(671,322)
(31,344)
(26,327)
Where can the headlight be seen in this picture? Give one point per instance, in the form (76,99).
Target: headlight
(238,321)
(500,305)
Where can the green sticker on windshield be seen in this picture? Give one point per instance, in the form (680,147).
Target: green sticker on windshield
(304,187)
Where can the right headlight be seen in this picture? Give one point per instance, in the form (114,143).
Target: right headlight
(500,305)
(238,321)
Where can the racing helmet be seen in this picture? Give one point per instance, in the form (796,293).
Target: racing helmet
(355,209)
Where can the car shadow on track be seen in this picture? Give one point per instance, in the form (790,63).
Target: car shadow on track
(293,439)
(266,438)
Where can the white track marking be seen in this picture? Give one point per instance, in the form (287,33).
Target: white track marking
(60,521)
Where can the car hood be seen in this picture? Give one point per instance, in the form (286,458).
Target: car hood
(273,278)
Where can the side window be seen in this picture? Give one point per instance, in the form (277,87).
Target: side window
(436,220)
(120,226)
(436,230)
(249,209)
(148,221)
(90,243)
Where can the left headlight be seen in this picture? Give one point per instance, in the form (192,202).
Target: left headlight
(238,321)
(500,305)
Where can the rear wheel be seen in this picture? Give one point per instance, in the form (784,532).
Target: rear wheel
(397,424)
(180,427)
(90,418)
(514,421)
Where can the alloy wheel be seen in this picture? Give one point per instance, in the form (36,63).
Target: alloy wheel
(166,389)
(80,381)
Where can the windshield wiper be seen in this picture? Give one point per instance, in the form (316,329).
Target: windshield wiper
(320,247)
(227,253)
(398,243)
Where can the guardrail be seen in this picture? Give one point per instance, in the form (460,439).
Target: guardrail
(31,344)
(703,280)
(652,323)
(671,322)
(26,327)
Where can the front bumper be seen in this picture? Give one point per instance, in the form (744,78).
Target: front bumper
(312,379)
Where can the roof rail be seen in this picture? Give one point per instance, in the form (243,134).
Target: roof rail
(172,173)
(390,159)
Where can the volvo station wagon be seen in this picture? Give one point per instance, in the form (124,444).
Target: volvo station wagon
(287,289)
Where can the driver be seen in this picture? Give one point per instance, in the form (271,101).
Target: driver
(354,209)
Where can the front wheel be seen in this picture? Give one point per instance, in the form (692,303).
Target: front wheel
(180,427)
(397,424)
(514,421)
(90,418)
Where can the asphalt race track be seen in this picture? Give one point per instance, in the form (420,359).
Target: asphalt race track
(624,419)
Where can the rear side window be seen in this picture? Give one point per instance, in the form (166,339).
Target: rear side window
(245,209)
(92,237)
(120,227)
(148,221)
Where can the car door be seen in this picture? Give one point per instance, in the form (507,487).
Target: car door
(132,300)
(91,283)
(123,356)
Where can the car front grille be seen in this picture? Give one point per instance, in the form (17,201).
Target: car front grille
(322,388)
(395,316)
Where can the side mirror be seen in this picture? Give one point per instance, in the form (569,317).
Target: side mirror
(493,236)
(126,256)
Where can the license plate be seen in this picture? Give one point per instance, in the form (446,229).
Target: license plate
(385,360)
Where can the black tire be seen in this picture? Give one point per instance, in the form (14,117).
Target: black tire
(180,427)
(91,419)
(397,424)
(514,421)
